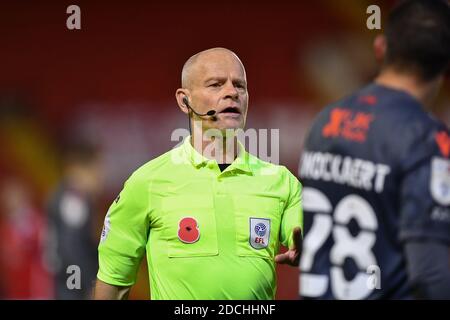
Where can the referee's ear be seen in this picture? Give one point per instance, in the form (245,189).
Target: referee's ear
(180,94)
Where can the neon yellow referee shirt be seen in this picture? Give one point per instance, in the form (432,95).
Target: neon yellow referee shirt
(208,234)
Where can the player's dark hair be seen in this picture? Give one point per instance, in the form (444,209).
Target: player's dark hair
(78,151)
(418,37)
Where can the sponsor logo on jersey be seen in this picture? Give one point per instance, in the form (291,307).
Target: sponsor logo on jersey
(259,232)
(440,180)
(347,124)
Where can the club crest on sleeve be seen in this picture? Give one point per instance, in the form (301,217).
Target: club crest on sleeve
(440,181)
(259,232)
(188,231)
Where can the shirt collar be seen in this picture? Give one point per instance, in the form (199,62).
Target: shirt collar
(242,161)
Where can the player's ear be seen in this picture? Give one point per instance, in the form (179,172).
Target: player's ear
(180,95)
(379,48)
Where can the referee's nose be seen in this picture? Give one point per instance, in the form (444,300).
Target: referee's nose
(231,92)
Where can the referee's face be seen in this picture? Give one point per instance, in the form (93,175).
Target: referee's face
(219,82)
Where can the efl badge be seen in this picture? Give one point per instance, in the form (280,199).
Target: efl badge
(188,230)
(440,181)
(106,226)
(259,233)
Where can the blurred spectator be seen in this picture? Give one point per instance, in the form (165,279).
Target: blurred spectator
(23,274)
(72,218)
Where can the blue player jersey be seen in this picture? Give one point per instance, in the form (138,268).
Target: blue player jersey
(376,173)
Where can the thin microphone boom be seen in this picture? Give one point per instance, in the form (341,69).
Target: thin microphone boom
(210,113)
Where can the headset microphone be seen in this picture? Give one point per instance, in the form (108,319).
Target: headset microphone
(210,113)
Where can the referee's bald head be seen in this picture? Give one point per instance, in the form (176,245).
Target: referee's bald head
(190,67)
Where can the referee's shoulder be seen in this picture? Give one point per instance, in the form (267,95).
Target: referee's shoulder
(153,167)
(261,167)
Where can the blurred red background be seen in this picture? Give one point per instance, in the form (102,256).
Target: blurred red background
(114,80)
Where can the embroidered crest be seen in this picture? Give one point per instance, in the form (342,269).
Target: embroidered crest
(440,181)
(259,232)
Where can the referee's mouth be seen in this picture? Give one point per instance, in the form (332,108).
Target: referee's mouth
(231,111)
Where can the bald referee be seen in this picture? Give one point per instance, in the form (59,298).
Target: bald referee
(210,222)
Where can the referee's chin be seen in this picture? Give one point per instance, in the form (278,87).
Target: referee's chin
(228,132)
(227,125)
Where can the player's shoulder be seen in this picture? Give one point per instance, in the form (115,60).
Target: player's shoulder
(410,113)
(374,98)
(394,110)
(432,125)
(412,131)
(426,132)
(395,106)
(422,137)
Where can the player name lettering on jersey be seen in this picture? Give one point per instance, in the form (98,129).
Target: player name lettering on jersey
(354,172)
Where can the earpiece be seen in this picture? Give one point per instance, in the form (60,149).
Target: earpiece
(186,101)
(210,113)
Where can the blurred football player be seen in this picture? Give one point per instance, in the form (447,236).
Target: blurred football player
(72,214)
(376,173)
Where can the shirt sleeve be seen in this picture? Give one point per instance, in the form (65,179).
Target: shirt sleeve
(425,189)
(428,269)
(124,236)
(293,212)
